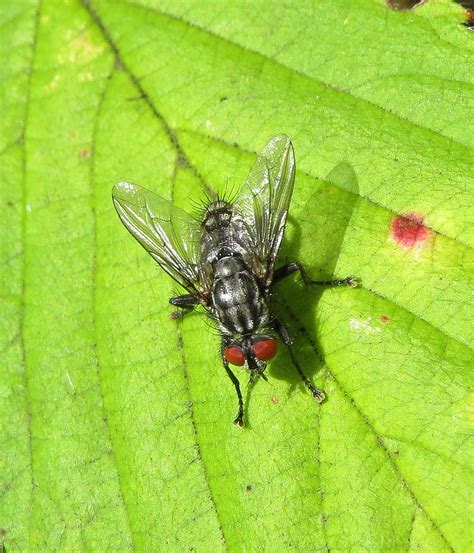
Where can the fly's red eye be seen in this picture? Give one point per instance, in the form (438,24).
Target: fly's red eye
(265,349)
(234,355)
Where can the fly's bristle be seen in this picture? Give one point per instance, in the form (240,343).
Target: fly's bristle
(202,207)
(230,192)
(210,196)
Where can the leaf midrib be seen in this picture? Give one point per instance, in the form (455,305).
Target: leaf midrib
(184,367)
(180,344)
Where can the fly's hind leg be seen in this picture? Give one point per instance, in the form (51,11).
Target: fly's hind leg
(318,394)
(294,267)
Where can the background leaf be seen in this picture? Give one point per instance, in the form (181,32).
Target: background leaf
(116,420)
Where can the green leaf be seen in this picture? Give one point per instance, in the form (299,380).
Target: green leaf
(116,420)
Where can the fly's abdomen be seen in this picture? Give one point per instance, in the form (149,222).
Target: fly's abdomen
(236,297)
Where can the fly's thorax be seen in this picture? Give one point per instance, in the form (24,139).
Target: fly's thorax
(218,215)
(223,233)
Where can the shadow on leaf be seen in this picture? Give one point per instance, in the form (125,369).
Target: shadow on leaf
(315,237)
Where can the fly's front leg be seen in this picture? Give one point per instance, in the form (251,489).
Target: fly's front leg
(291,268)
(318,394)
(239,419)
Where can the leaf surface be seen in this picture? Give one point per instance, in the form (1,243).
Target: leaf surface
(115,419)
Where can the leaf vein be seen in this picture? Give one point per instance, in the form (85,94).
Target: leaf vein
(26,380)
(284,66)
(94,202)
(181,346)
(372,430)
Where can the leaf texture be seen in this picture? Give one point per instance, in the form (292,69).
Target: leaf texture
(115,419)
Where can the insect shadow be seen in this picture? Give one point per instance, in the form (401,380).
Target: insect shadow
(315,236)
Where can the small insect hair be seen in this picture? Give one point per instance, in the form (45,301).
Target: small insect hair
(200,207)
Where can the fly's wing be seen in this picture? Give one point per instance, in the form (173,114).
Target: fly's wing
(264,202)
(168,234)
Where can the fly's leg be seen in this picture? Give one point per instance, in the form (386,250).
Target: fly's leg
(186,301)
(239,419)
(282,273)
(318,394)
(291,268)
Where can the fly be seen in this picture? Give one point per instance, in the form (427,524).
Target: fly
(226,261)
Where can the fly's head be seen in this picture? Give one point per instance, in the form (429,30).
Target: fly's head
(252,351)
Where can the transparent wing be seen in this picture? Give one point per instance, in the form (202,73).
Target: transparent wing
(264,202)
(168,234)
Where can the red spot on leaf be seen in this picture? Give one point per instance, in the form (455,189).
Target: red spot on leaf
(409,230)
(384,319)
